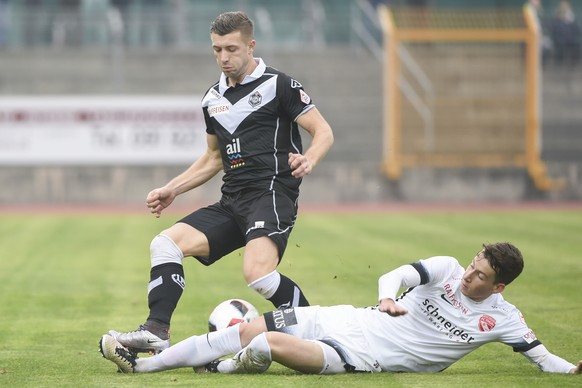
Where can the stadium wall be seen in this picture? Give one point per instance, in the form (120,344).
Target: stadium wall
(343,83)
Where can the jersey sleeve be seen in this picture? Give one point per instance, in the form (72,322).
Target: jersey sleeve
(517,334)
(432,270)
(391,282)
(293,98)
(546,361)
(436,269)
(209,128)
(522,339)
(209,95)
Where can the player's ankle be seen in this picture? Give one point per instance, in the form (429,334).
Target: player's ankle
(161,330)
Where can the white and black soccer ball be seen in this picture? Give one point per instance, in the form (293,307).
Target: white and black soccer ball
(230,312)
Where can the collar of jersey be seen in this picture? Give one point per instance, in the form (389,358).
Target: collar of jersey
(487,301)
(256,74)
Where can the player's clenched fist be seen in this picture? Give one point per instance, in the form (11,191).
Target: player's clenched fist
(300,165)
(159,199)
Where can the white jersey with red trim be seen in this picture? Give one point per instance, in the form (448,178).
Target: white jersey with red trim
(442,325)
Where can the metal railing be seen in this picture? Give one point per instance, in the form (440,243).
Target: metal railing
(422,101)
(366,28)
(514,29)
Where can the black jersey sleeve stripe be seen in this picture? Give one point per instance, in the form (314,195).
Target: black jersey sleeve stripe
(421,271)
(526,347)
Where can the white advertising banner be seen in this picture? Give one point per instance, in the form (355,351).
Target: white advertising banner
(101,130)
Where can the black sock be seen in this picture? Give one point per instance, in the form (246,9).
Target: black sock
(288,294)
(167,282)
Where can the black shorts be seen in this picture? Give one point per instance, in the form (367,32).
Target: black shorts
(244,216)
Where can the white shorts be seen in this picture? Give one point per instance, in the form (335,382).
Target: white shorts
(337,329)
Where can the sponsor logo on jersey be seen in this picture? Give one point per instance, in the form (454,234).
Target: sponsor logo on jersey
(304,97)
(215,93)
(530,337)
(233,147)
(444,297)
(445,325)
(451,299)
(295,84)
(255,99)
(218,109)
(486,323)
(179,280)
(233,151)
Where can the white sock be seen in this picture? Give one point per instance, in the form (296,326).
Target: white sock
(255,358)
(164,250)
(267,285)
(193,351)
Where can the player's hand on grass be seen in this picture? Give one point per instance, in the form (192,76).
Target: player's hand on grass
(300,165)
(578,369)
(159,199)
(390,307)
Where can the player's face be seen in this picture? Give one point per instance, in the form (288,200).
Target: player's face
(234,55)
(478,281)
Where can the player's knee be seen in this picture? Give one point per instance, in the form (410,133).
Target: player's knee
(255,269)
(260,259)
(164,250)
(249,330)
(253,275)
(265,285)
(189,240)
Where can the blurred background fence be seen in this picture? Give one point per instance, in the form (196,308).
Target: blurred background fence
(97,51)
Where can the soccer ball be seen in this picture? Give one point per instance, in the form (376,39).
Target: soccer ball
(230,312)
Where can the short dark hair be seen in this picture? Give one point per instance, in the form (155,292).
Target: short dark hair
(228,22)
(505,259)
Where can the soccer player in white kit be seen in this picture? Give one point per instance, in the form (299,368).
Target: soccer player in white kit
(446,312)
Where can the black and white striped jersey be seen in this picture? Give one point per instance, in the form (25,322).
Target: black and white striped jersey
(256,129)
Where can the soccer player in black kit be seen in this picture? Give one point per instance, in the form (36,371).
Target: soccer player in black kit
(252,119)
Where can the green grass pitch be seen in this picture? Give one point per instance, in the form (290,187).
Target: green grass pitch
(66,279)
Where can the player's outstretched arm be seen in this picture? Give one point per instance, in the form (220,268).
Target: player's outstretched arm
(549,362)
